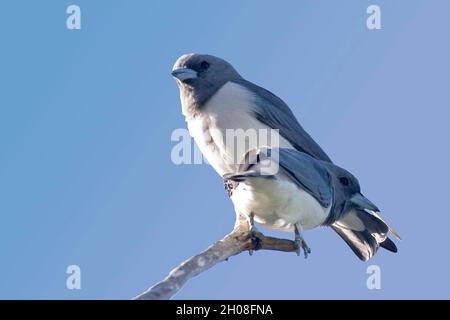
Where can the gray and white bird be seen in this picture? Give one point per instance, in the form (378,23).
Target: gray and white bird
(215,98)
(293,191)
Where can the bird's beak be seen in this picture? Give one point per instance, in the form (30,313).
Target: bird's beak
(183,74)
(363,202)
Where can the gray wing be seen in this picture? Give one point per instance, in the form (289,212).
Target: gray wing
(308,173)
(273,112)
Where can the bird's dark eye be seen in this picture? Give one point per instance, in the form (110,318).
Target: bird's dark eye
(204,65)
(344,181)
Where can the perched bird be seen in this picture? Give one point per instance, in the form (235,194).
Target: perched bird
(293,191)
(215,98)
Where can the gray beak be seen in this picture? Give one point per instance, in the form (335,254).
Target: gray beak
(363,202)
(184,74)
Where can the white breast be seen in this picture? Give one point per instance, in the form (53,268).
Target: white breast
(230,108)
(278,203)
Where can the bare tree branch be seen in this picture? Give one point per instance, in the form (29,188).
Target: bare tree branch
(239,240)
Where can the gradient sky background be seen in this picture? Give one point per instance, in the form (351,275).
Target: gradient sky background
(86,118)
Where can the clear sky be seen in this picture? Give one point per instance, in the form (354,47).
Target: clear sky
(86,118)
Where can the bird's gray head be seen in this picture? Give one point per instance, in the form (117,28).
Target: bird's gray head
(199,76)
(347,191)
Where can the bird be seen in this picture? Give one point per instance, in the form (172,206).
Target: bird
(288,190)
(215,100)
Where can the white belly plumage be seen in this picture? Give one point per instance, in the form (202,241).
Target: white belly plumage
(278,203)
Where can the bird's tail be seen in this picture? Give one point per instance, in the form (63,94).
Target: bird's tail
(364,232)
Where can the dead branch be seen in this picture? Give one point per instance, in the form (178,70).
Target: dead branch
(239,240)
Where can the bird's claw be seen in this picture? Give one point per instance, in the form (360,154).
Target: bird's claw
(299,241)
(301,244)
(252,232)
(256,242)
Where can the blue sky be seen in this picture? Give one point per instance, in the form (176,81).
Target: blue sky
(86,118)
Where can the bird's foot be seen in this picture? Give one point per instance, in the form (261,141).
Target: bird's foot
(300,242)
(229,186)
(253,235)
(256,241)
